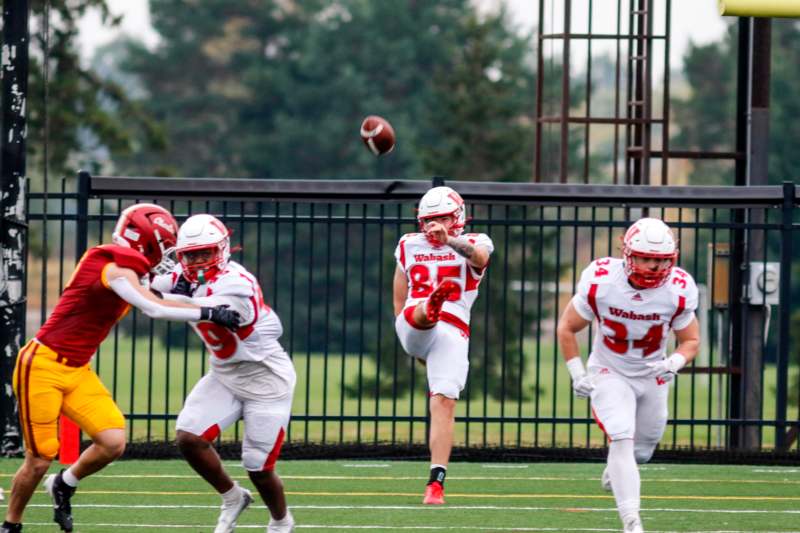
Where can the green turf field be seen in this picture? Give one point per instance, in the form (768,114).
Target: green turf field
(385,496)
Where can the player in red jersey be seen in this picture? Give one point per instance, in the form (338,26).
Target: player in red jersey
(53,376)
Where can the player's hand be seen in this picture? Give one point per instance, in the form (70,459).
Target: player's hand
(666,369)
(221,315)
(183,287)
(436,232)
(583,386)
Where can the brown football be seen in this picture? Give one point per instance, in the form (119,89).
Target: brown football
(378,135)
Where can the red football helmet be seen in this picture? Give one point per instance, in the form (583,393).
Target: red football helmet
(203,232)
(151,230)
(649,238)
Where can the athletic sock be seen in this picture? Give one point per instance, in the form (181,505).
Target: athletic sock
(232,496)
(624,474)
(438,473)
(69,478)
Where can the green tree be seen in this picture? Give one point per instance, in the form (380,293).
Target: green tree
(83,110)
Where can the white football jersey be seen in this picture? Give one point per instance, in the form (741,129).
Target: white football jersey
(256,340)
(426,265)
(634,324)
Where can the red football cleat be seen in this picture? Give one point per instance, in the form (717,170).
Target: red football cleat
(434,494)
(438,297)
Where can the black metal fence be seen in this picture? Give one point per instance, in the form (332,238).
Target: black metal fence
(323,251)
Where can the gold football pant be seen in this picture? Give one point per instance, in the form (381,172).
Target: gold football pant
(46,386)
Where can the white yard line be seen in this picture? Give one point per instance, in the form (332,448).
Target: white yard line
(453,478)
(347,527)
(440,509)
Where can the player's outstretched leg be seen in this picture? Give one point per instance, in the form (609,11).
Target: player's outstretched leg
(61,494)
(438,297)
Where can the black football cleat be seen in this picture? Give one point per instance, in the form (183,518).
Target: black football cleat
(61,494)
(8,527)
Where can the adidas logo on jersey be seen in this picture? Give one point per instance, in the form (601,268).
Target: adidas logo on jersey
(633,316)
(420,258)
(637,297)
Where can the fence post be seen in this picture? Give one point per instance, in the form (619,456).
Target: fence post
(82,212)
(784,315)
(13,215)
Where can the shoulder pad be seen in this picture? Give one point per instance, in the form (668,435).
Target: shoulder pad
(125,258)
(681,282)
(601,271)
(232,283)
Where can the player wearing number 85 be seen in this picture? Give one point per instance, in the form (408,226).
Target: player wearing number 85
(251,377)
(435,284)
(636,300)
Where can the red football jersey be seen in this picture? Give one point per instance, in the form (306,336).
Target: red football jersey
(88,308)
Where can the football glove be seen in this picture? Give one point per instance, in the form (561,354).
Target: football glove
(221,315)
(582,383)
(666,369)
(183,287)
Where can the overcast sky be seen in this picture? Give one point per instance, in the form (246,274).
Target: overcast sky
(695,20)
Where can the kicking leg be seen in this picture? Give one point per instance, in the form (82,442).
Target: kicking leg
(426,314)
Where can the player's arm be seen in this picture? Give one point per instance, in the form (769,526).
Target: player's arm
(399,290)
(688,346)
(688,340)
(125,283)
(475,254)
(570,323)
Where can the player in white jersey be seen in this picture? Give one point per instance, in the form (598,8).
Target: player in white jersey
(636,301)
(251,377)
(435,284)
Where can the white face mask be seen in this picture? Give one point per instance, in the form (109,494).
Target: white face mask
(167,264)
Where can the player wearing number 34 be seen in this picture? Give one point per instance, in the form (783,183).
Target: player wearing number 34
(435,284)
(636,300)
(251,376)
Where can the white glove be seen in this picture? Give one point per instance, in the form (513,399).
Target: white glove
(582,383)
(666,369)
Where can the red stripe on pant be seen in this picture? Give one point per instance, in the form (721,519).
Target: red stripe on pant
(23,386)
(602,427)
(211,433)
(269,465)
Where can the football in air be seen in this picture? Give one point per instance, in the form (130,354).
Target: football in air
(378,135)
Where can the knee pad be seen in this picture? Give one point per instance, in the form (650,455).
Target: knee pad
(254,460)
(619,433)
(643,451)
(447,388)
(47,448)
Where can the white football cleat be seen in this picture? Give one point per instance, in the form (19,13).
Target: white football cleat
(605,480)
(230,513)
(284,525)
(633,525)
